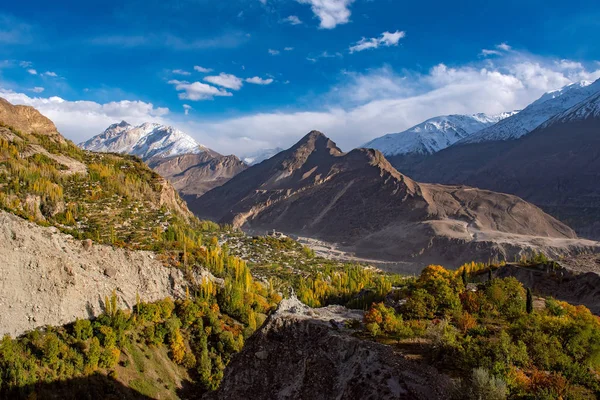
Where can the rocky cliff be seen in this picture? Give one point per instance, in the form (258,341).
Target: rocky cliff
(48,278)
(304,353)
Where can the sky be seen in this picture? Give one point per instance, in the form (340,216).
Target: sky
(244,75)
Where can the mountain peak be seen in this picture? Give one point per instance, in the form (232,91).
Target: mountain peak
(316,140)
(27,119)
(433,134)
(537,113)
(147,140)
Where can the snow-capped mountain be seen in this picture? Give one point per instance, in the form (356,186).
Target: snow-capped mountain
(538,112)
(261,155)
(589,108)
(434,134)
(145,141)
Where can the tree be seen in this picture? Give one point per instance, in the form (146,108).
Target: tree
(529,301)
(465,277)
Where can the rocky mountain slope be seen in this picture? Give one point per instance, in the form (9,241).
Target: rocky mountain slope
(555,166)
(434,134)
(360,201)
(303,353)
(49,278)
(26,119)
(195,174)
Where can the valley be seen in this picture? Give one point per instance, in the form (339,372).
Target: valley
(158,268)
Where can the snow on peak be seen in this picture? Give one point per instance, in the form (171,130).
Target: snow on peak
(434,134)
(589,108)
(535,114)
(145,141)
(261,155)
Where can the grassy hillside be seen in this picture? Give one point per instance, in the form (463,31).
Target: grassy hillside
(494,336)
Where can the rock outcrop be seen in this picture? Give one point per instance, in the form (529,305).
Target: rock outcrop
(48,278)
(26,119)
(303,353)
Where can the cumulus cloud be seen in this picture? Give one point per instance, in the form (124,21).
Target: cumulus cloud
(273,52)
(180,72)
(288,48)
(186,109)
(37,89)
(331,13)
(80,120)
(32,71)
(259,81)
(197,91)
(225,80)
(386,39)
(202,69)
(292,20)
(50,73)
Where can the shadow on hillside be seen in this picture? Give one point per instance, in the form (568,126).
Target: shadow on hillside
(93,387)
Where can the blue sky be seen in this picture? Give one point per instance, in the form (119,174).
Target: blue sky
(267,71)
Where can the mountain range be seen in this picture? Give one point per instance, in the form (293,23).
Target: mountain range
(554,166)
(359,201)
(434,134)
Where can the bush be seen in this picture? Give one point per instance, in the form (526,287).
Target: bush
(484,386)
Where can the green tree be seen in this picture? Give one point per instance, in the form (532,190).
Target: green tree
(529,306)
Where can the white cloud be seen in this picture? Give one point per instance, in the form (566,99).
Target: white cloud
(292,20)
(381,101)
(568,64)
(32,71)
(80,120)
(259,81)
(180,72)
(331,12)
(487,53)
(503,46)
(225,80)
(362,106)
(386,39)
(25,64)
(37,89)
(198,91)
(273,52)
(288,48)
(324,54)
(202,69)
(50,73)
(186,109)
